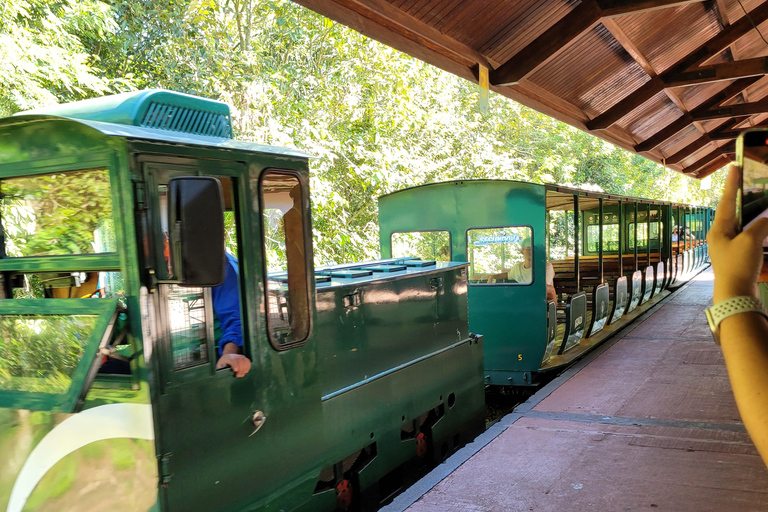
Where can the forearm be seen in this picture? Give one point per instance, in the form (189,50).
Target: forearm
(231,348)
(744,339)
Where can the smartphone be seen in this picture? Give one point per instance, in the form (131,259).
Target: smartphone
(752,159)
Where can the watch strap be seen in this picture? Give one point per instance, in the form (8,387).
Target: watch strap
(732,306)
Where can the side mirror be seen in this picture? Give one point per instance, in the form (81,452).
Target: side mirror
(196,214)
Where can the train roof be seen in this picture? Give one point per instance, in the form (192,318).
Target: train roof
(587,198)
(155,115)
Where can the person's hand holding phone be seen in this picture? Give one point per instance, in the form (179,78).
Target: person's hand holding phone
(737,258)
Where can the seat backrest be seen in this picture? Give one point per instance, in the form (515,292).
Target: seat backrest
(661,278)
(635,291)
(551,321)
(600,309)
(620,296)
(648,284)
(575,318)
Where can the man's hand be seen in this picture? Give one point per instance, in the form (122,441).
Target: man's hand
(232,357)
(736,258)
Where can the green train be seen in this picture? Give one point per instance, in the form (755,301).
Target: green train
(140,242)
(553,271)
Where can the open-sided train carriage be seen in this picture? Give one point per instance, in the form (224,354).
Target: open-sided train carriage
(114,217)
(612,256)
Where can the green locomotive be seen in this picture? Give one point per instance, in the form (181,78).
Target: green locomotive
(608,258)
(115,215)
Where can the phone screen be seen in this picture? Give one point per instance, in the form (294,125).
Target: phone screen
(754,181)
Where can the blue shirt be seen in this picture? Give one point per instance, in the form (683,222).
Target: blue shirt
(226,305)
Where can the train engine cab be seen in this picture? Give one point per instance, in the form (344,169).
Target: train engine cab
(166,343)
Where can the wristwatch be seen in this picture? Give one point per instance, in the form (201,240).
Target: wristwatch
(732,306)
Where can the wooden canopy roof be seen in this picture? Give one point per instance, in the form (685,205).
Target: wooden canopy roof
(672,80)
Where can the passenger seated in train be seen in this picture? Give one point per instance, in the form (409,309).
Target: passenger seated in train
(675,233)
(522,272)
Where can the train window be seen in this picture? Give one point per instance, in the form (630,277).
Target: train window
(610,238)
(284,235)
(427,245)
(642,234)
(500,255)
(562,234)
(57,214)
(187,324)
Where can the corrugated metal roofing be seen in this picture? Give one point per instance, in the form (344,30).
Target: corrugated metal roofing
(625,70)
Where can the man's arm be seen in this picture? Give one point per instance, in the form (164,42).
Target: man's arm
(232,357)
(736,261)
(494,277)
(550,276)
(226,304)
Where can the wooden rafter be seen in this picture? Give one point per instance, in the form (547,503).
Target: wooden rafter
(683,122)
(704,52)
(688,150)
(719,72)
(713,166)
(720,133)
(548,44)
(630,47)
(742,109)
(612,8)
(568,29)
(709,157)
(727,133)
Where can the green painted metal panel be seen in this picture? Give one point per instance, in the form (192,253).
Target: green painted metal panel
(511,348)
(78,263)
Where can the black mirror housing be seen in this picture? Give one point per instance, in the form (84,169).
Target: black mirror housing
(197,230)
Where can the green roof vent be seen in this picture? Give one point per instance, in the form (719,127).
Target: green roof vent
(154,108)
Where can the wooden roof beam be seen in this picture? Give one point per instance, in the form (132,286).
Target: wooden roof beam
(706,51)
(742,109)
(547,45)
(683,122)
(688,150)
(708,169)
(630,47)
(709,157)
(612,8)
(582,18)
(724,133)
(719,72)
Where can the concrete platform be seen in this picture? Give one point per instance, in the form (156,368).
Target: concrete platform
(648,424)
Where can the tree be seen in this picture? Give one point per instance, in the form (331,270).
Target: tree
(43,56)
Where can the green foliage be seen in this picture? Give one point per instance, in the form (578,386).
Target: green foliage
(43,55)
(379,121)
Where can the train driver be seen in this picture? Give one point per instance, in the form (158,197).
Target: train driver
(522,272)
(226,305)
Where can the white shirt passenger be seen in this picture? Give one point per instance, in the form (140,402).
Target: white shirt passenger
(524,275)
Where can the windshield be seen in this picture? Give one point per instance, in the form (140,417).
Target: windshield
(40,353)
(48,350)
(57,214)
